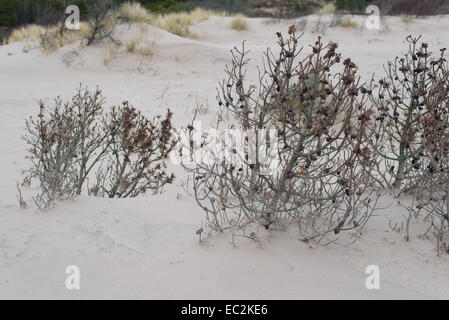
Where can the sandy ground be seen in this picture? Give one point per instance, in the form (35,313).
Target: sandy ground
(147,247)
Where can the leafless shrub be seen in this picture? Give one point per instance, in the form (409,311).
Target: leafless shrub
(65,144)
(321,183)
(404,98)
(19,197)
(431,195)
(101,24)
(72,140)
(137,154)
(52,152)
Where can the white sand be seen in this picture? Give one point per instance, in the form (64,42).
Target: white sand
(147,247)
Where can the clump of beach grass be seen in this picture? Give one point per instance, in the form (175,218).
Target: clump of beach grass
(239,23)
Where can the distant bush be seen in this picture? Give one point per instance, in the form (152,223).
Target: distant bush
(167,6)
(56,37)
(239,23)
(427,158)
(137,150)
(9,13)
(406,18)
(347,22)
(413,7)
(355,6)
(178,23)
(396,7)
(133,12)
(110,52)
(20,12)
(329,8)
(101,19)
(31,32)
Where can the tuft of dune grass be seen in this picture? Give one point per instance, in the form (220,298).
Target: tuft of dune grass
(239,23)
(327,9)
(347,22)
(133,43)
(179,22)
(52,38)
(110,52)
(29,32)
(147,50)
(133,12)
(406,18)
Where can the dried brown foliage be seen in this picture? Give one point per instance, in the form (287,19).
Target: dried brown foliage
(138,150)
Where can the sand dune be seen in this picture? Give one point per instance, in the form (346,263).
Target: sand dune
(147,247)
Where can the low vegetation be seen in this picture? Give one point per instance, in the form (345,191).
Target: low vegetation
(406,18)
(239,23)
(178,23)
(348,22)
(322,159)
(328,8)
(122,151)
(30,32)
(133,12)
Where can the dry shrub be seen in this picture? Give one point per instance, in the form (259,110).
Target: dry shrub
(321,125)
(327,9)
(102,20)
(347,22)
(431,166)
(132,44)
(147,49)
(31,32)
(406,18)
(63,145)
(55,37)
(110,52)
(239,23)
(133,12)
(178,23)
(72,140)
(138,150)
(410,90)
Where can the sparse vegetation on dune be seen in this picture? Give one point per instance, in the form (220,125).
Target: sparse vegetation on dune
(31,32)
(123,151)
(239,23)
(147,49)
(103,19)
(178,23)
(406,18)
(110,52)
(132,44)
(348,22)
(133,12)
(328,8)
